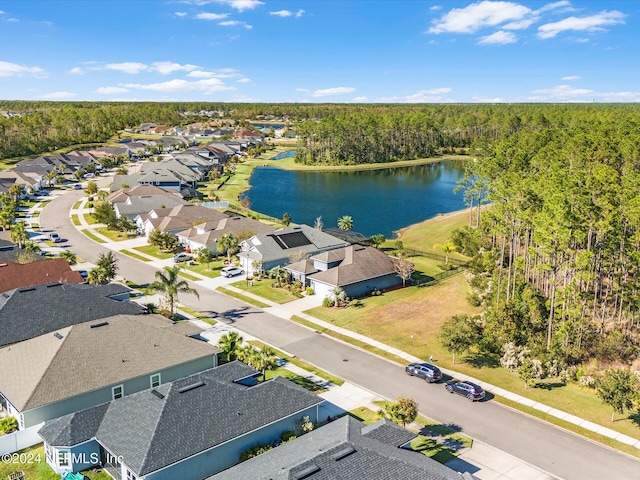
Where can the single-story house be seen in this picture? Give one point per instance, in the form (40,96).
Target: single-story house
(139,191)
(17,275)
(176,219)
(38,309)
(91,363)
(188,429)
(279,247)
(134,206)
(345,449)
(356,269)
(207,234)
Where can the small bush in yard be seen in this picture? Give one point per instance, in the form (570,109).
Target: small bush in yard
(8,425)
(327,302)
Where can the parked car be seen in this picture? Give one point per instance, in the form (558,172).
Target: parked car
(470,390)
(77,186)
(429,372)
(231,271)
(181,257)
(55,238)
(84,274)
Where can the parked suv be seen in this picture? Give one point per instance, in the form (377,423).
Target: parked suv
(231,271)
(55,238)
(427,371)
(470,390)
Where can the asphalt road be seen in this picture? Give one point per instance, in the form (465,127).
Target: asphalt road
(545,446)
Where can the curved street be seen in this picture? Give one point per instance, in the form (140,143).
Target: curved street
(554,450)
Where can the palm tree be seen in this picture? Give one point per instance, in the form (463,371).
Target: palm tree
(338,294)
(279,274)
(171,285)
(19,234)
(446,248)
(345,222)
(70,257)
(229,243)
(230,343)
(263,360)
(16,191)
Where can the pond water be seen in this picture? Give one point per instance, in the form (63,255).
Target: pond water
(379,201)
(287,154)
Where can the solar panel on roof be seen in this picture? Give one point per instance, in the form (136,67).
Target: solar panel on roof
(294,239)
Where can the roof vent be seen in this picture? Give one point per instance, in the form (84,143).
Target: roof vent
(22,290)
(97,325)
(306,472)
(58,336)
(192,386)
(342,453)
(157,394)
(57,284)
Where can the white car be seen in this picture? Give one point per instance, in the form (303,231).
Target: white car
(231,271)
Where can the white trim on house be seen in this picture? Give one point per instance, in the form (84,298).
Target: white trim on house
(114,395)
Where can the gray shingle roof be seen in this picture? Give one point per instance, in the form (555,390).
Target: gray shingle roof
(282,243)
(84,358)
(340,450)
(151,432)
(29,312)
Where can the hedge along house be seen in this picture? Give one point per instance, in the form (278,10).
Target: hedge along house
(88,364)
(188,430)
(279,247)
(356,269)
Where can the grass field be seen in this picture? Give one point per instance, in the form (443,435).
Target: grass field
(263,289)
(115,235)
(153,251)
(93,237)
(135,255)
(244,298)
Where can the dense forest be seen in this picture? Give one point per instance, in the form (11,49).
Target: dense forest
(557,256)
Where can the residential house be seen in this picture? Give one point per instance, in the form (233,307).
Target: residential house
(356,269)
(9,251)
(39,309)
(207,234)
(105,151)
(176,219)
(345,449)
(279,247)
(31,181)
(134,206)
(123,194)
(90,363)
(62,164)
(189,429)
(16,275)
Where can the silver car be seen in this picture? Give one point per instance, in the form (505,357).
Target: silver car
(429,372)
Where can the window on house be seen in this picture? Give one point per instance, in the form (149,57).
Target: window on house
(117,392)
(63,458)
(155,380)
(131,476)
(48,451)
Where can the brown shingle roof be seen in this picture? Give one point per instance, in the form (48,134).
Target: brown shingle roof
(16,275)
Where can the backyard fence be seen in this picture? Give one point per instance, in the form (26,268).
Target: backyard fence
(21,439)
(436,256)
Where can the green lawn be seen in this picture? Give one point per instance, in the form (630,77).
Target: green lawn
(184,274)
(135,255)
(244,298)
(89,219)
(264,289)
(36,467)
(93,237)
(212,270)
(297,379)
(198,315)
(154,252)
(301,364)
(75,220)
(76,205)
(115,235)
(365,415)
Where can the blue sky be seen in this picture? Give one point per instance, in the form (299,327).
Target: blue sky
(321,51)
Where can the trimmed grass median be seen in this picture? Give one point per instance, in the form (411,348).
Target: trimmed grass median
(135,255)
(92,236)
(244,298)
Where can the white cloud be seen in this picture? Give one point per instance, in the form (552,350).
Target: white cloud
(110,90)
(8,69)
(76,71)
(282,13)
(2,12)
(58,95)
(571,78)
(128,67)
(166,68)
(221,73)
(234,23)
(211,16)
(200,74)
(327,92)
(485,99)
(299,13)
(592,23)
(565,5)
(500,38)
(568,93)
(359,99)
(239,5)
(180,14)
(428,96)
(243,80)
(478,15)
(208,85)
(435,8)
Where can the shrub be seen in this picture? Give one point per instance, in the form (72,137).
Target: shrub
(309,291)
(255,451)
(287,436)
(474,299)
(327,302)
(587,381)
(8,425)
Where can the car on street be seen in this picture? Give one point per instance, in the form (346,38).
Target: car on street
(470,390)
(231,271)
(54,237)
(77,186)
(428,372)
(181,257)
(84,274)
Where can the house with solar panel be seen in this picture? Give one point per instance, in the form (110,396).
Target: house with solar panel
(278,248)
(188,429)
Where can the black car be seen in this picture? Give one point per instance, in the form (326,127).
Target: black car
(470,390)
(427,371)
